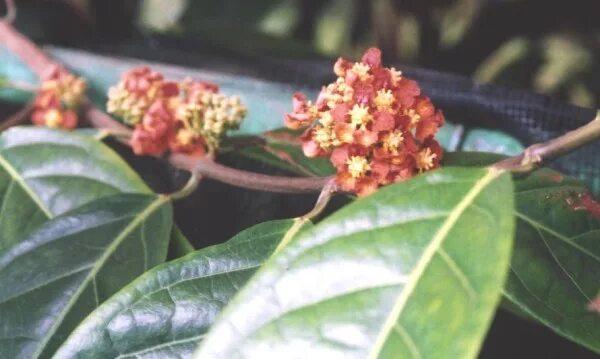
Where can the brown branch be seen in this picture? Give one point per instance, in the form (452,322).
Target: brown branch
(11,11)
(538,153)
(240,178)
(18,118)
(42,65)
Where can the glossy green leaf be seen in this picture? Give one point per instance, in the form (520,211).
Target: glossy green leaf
(45,172)
(52,279)
(167,311)
(555,269)
(405,272)
(495,141)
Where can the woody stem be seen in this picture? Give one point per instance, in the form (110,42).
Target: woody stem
(251,180)
(538,153)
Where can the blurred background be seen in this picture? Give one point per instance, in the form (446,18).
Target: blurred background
(550,47)
(546,46)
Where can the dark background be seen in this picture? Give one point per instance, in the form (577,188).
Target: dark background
(545,46)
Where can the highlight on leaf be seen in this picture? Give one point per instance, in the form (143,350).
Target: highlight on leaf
(189,117)
(374,124)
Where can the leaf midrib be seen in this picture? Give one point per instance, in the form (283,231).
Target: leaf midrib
(16,177)
(428,255)
(155,204)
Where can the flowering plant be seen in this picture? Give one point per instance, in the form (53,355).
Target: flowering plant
(188,117)
(373,123)
(428,245)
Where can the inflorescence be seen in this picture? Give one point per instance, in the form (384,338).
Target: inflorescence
(58,100)
(373,123)
(188,116)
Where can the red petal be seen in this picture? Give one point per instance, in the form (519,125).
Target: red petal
(372,57)
(69,120)
(340,112)
(170,89)
(341,66)
(311,149)
(366,138)
(424,107)
(339,156)
(366,186)
(426,128)
(346,182)
(383,121)
(406,91)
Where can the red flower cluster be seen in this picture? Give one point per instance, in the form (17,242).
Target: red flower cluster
(187,117)
(58,99)
(375,125)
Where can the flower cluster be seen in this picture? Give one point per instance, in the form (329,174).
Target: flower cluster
(374,123)
(187,117)
(58,100)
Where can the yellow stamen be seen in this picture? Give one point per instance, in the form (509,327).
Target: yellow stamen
(393,141)
(361,70)
(384,99)
(396,75)
(425,159)
(358,166)
(53,118)
(359,116)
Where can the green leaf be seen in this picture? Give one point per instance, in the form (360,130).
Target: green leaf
(44,173)
(167,311)
(179,245)
(555,268)
(484,140)
(405,272)
(52,279)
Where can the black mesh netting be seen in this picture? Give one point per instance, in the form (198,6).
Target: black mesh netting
(526,116)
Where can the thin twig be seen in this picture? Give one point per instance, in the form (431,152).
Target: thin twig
(18,118)
(188,189)
(11,11)
(537,154)
(326,193)
(251,180)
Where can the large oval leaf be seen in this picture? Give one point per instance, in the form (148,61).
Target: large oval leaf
(555,269)
(167,311)
(45,172)
(51,280)
(415,270)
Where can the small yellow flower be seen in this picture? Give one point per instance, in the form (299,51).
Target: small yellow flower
(326,119)
(396,75)
(425,159)
(384,99)
(359,116)
(323,136)
(361,70)
(53,118)
(358,166)
(393,141)
(414,117)
(185,136)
